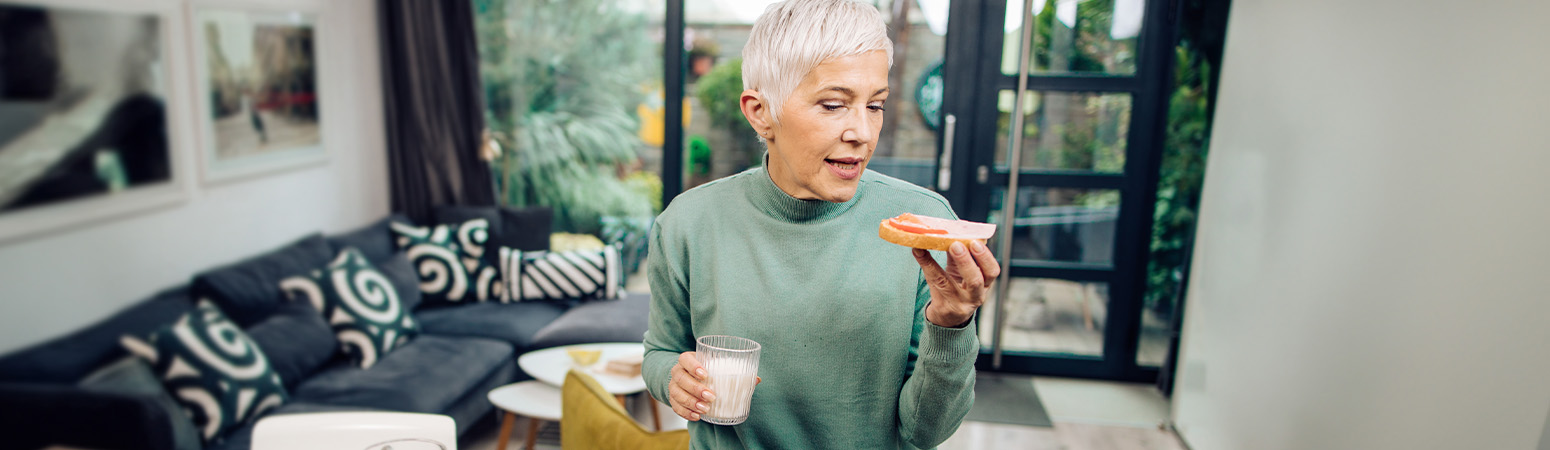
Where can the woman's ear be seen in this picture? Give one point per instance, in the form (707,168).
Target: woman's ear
(757,112)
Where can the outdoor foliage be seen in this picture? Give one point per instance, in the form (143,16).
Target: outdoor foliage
(561,81)
(718,92)
(1086,131)
(1182,173)
(1095,51)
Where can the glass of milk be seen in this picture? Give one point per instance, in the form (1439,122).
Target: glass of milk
(732,366)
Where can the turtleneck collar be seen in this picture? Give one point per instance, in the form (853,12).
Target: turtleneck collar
(768,198)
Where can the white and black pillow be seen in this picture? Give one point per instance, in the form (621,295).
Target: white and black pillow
(450,261)
(359,303)
(219,377)
(575,274)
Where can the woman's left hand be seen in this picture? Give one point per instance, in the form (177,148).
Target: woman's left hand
(958,290)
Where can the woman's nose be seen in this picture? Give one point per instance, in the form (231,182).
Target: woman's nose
(858,129)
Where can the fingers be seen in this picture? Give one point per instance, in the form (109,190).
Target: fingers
(935,276)
(685,413)
(692,382)
(681,395)
(968,270)
(688,394)
(691,363)
(987,261)
(694,390)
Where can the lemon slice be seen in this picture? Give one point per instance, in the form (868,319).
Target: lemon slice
(584,357)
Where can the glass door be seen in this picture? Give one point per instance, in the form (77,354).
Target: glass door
(1065,138)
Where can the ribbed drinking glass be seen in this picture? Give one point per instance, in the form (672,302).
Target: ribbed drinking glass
(732,368)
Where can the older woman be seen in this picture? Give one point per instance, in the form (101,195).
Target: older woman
(864,344)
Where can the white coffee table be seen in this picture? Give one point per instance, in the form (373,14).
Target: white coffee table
(535,399)
(551,364)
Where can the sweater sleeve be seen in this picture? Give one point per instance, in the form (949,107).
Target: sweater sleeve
(939,390)
(669,331)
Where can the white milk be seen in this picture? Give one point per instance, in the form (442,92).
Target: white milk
(732,381)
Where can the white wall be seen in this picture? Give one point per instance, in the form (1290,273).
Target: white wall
(54,283)
(1375,236)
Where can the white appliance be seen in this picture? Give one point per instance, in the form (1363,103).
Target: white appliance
(355,431)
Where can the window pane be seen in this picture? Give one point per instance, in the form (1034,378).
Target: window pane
(1180,175)
(1152,348)
(718,140)
(573,95)
(1061,224)
(1076,36)
(1083,131)
(1047,315)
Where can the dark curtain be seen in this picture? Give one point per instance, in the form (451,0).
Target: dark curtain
(434,106)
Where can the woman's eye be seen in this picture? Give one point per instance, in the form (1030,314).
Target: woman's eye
(832,106)
(876,107)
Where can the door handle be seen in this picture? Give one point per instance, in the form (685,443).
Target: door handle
(944,171)
(1009,200)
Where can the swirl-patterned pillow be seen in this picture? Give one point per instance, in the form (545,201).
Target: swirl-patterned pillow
(219,377)
(450,261)
(575,274)
(359,303)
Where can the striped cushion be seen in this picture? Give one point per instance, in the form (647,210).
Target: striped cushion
(576,274)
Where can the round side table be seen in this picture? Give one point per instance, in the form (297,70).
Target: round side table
(536,400)
(551,364)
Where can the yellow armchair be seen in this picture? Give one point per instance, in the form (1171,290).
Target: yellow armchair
(594,420)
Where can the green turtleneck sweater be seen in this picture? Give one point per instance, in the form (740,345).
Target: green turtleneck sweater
(848,358)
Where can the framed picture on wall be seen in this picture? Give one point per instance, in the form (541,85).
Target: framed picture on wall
(91,125)
(259,91)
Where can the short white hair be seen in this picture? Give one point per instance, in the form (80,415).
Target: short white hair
(794,36)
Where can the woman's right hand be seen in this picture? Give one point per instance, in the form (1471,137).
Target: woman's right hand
(687,393)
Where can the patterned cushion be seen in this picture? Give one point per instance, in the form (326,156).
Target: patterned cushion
(577,274)
(219,377)
(361,305)
(450,261)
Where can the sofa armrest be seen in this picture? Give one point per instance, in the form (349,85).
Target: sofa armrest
(33,415)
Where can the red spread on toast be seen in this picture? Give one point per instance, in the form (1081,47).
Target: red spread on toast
(908,222)
(958,229)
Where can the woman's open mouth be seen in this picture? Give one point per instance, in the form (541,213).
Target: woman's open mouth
(845,168)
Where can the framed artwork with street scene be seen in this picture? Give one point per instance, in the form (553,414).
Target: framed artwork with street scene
(259,91)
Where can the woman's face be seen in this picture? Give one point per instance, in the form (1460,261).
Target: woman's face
(828,128)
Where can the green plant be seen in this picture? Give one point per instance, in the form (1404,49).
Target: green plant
(718,92)
(647,184)
(561,82)
(1182,174)
(699,155)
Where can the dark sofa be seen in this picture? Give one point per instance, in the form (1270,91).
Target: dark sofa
(463,352)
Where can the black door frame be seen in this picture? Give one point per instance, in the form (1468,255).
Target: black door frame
(977,79)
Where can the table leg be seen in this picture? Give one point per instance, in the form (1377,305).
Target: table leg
(532,434)
(656,420)
(506,425)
